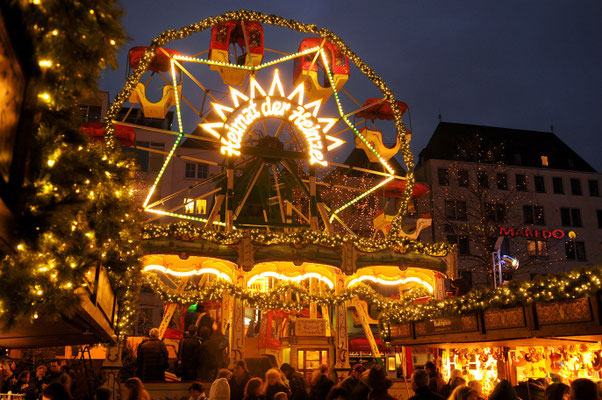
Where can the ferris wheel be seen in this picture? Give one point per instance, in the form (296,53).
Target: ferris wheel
(274,124)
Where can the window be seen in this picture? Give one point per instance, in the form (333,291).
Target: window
(443,176)
(90,113)
(199,171)
(149,161)
(599,215)
(533,215)
(495,212)
(521,183)
(593,188)
(537,248)
(483,179)
(190,170)
(576,186)
(574,250)
(198,206)
(544,161)
(557,183)
(462,243)
(463,178)
(455,209)
(540,186)
(502,181)
(570,216)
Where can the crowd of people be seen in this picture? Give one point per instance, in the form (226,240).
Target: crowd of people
(428,384)
(52,381)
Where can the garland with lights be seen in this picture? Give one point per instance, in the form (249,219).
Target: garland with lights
(244,15)
(77,209)
(546,288)
(290,296)
(287,296)
(188,232)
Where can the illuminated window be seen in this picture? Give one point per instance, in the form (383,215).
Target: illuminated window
(198,206)
(537,248)
(544,161)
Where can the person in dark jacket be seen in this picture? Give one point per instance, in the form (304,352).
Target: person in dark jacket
(361,389)
(379,384)
(320,384)
(435,380)
(296,382)
(353,380)
(239,380)
(420,385)
(189,353)
(153,358)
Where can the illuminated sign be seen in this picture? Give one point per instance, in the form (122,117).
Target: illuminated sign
(237,120)
(532,233)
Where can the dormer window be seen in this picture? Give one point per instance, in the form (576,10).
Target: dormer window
(544,161)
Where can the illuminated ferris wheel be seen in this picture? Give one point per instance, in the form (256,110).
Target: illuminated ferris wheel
(273,125)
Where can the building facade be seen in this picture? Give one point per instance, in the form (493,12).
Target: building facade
(527,188)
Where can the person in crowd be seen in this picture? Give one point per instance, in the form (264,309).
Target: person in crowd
(503,391)
(220,388)
(531,389)
(6,376)
(102,393)
(449,386)
(65,380)
(476,385)
(204,320)
(296,382)
(435,379)
(197,391)
(273,384)
(379,384)
(207,365)
(54,371)
(280,396)
(320,383)
(337,393)
(189,354)
(583,389)
(56,391)
(21,385)
(135,390)
(362,389)
(421,387)
(464,393)
(253,389)
(353,380)
(239,380)
(37,385)
(557,391)
(153,358)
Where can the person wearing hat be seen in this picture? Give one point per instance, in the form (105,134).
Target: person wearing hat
(352,380)
(379,384)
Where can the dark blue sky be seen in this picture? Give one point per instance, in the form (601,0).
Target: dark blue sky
(514,64)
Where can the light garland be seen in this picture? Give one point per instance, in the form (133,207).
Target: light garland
(388,282)
(297,279)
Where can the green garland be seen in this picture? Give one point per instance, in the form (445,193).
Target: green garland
(77,208)
(187,231)
(554,287)
(297,297)
(546,288)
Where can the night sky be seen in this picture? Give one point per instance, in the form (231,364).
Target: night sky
(513,64)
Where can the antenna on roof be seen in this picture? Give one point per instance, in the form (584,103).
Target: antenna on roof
(439,116)
(552,128)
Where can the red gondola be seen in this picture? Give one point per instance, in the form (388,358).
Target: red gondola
(338,62)
(231,32)
(126,135)
(380,110)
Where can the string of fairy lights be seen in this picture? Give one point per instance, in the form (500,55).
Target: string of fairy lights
(292,296)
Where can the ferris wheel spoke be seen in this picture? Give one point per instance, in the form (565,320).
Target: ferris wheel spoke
(248,190)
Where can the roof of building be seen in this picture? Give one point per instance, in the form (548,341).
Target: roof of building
(478,143)
(358,158)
